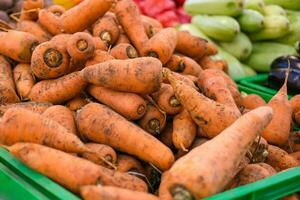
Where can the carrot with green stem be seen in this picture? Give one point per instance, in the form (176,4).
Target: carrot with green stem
(37,107)
(100,124)
(35,29)
(24,80)
(124,51)
(197,170)
(70,171)
(137,75)
(100,56)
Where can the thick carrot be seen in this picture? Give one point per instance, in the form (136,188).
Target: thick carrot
(17,45)
(24,80)
(106,28)
(58,90)
(100,44)
(37,107)
(50,60)
(154,121)
(293,143)
(7,85)
(100,56)
(166,135)
(30,9)
(280,159)
(277,132)
(190,45)
(175,63)
(77,102)
(83,15)
(130,105)
(268,167)
(297,117)
(207,63)
(211,49)
(211,116)
(137,75)
(252,101)
(122,37)
(35,29)
(130,19)
(151,25)
(61,38)
(70,171)
(50,21)
(182,78)
(113,193)
(100,124)
(296,156)
(166,100)
(124,51)
(126,163)
(184,130)
(161,45)
(295,103)
(184,65)
(63,116)
(221,156)
(100,154)
(22,125)
(57,10)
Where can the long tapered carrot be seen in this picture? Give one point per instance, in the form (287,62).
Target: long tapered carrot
(35,128)
(58,90)
(100,56)
(70,171)
(221,156)
(137,75)
(7,85)
(124,51)
(38,107)
(212,117)
(130,105)
(24,80)
(129,18)
(98,123)
(35,29)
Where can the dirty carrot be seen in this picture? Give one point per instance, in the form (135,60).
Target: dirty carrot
(50,21)
(100,44)
(100,56)
(252,101)
(24,80)
(151,25)
(124,51)
(207,63)
(122,37)
(166,135)
(126,163)
(35,29)
(37,107)
(30,9)
(77,102)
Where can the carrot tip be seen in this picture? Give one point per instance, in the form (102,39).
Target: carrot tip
(183,148)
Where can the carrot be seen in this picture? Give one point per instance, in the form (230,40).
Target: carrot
(129,17)
(100,44)
(211,116)
(113,193)
(130,105)
(161,45)
(277,132)
(77,102)
(175,63)
(100,124)
(50,60)
(33,127)
(295,103)
(207,63)
(184,65)
(35,29)
(259,150)
(61,38)
(106,28)
(182,78)
(291,197)
(70,171)
(100,154)
(58,90)
(17,45)
(221,156)
(30,9)
(57,10)
(211,49)
(63,116)
(24,80)
(297,117)
(252,101)
(100,56)
(37,107)
(280,159)
(293,144)
(154,121)
(269,168)
(190,45)
(124,51)
(166,99)
(137,75)
(151,25)
(184,130)
(126,163)
(122,37)
(50,21)
(166,135)
(7,85)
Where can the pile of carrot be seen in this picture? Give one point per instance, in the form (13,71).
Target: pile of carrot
(111,105)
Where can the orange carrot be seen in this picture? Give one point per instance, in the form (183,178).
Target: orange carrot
(35,29)
(106,28)
(296,156)
(211,49)
(100,124)
(17,45)
(184,130)
(113,193)
(166,135)
(35,128)
(297,117)
(183,78)
(221,155)
(137,75)
(128,163)
(37,107)
(63,116)
(258,151)
(24,80)
(124,51)
(50,21)
(100,56)
(30,9)
(161,45)
(70,171)
(129,18)
(151,25)
(7,85)
(77,102)
(50,60)
(184,65)
(130,105)
(295,103)
(99,44)
(207,63)
(252,101)
(291,197)
(153,121)
(122,37)
(57,10)
(166,99)
(58,90)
